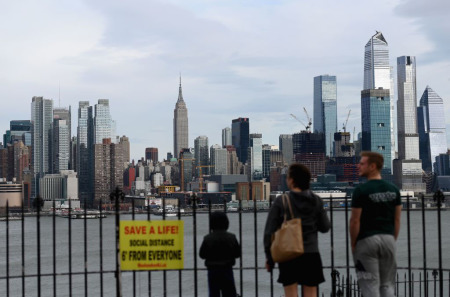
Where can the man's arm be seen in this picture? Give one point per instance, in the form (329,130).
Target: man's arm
(355,220)
(398,212)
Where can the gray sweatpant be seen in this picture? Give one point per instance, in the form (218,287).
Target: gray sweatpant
(376,265)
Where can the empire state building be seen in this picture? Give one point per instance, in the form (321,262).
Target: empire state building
(180,125)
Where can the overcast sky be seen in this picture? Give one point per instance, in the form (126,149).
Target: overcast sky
(254,58)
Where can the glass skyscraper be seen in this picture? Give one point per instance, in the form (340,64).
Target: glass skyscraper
(376,124)
(201,155)
(255,156)
(325,109)
(226,136)
(240,130)
(377,74)
(103,124)
(432,130)
(41,119)
(407,167)
(85,152)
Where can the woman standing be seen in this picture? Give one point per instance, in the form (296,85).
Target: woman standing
(305,270)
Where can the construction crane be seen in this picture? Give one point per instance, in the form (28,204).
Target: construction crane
(308,127)
(344,126)
(200,179)
(299,121)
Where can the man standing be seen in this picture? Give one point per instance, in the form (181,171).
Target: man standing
(374,228)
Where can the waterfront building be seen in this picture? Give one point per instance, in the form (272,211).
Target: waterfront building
(219,160)
(285,144)
(255,158)
(103,124)
(11,193)
(240,131)
(226,137)
(376,125)
(85,152)
(180,125)
(432,130)
(151,154)
(325,109)
(201,155)
(108,169)
(378,74)
(407,167)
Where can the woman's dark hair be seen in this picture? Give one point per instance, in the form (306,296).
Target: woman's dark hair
(219,221)
(301,176)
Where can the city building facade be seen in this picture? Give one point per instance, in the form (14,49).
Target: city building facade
(325,109)
(180,125)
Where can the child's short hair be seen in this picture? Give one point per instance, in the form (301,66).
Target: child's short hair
(219,221)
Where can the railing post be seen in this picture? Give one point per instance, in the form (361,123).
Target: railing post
(439,197)
(424,246)
(115,196)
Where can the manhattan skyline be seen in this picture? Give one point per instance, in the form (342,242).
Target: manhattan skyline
(254,60)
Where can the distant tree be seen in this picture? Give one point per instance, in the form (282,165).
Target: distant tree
(38,203)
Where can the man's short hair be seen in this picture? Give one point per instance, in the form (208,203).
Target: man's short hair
(300,175)
(375,158)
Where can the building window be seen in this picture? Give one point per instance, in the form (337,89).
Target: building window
(381,147)
(380,124)
(380,98)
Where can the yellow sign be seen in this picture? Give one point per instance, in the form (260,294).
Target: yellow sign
(151,245)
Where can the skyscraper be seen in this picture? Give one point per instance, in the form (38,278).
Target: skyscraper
(325,109)
(180,125)
(65,114)
(240,129)
(60,146)
(219,160)
(41,119)
(226,137)
(85,151)
(376,124)
(377,74)
(103,124)
(151,153)
(408,167)
(255,156)
(201,154)
(376,63)
(432,130)
(285,143)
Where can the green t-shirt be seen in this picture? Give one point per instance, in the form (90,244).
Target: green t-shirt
(378,200)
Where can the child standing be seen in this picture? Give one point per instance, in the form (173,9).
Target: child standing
(220,249)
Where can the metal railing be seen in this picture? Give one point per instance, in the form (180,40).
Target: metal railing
(40,254)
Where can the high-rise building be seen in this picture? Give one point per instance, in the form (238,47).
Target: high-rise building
(151,153)
(376,124)
(108,169)
(125,142)
(18,130)
(309,150)
(325,109)
(103,124)
(226,137)
(255,157)
(285,143)
(408,167)
(376,63)
(65,114)
(266,162)
(180,125)
(431,126)
(219,160)
(60,145)
(233,164)
(41,119)
(85,152)
(378,74)
(186,170)
(240,131)
(201,155)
